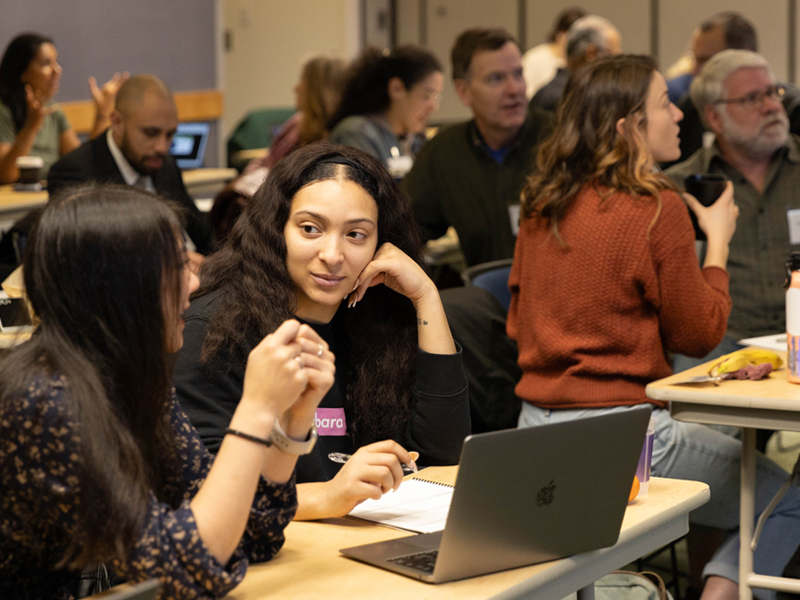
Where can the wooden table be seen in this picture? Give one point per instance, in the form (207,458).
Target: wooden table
(200,183)
(207,183)
(310,566)
(772,403)
(14,204)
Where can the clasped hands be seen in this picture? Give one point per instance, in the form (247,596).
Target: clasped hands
(287,376)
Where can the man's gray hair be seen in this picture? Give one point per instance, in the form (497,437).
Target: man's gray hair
(708,87)
(588,30)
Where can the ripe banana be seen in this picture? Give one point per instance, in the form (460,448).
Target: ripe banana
(742,358)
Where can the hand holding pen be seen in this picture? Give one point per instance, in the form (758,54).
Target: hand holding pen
(341,457)
(370,472)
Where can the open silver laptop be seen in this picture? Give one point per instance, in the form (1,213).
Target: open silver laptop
(525,496)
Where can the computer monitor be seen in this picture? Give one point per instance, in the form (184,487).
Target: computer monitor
(189,144)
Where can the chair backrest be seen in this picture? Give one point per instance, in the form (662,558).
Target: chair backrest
(256,130)
(491,276)
(478,324)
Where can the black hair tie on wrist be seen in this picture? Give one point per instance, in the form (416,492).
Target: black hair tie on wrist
(248,437)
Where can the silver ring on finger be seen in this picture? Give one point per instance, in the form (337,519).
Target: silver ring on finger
(319,352)
(299,361)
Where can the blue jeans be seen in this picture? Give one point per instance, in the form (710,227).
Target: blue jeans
(690,451)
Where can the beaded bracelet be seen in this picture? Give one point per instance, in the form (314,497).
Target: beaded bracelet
(248,437)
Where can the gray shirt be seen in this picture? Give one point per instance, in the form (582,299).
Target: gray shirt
(761,244)
(374,135)
(46,144)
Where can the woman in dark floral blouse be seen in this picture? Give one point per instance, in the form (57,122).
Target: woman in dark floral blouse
(98,463)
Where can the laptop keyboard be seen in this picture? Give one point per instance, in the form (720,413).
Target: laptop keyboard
(421,561)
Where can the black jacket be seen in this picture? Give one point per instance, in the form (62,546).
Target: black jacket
(93,161)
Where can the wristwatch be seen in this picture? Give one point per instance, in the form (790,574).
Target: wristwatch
(284,443)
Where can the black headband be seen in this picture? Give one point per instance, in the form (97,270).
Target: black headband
(341,160)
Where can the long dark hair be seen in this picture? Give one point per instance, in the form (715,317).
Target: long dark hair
(585,146)
(18,55)
(101,266)
(367,89)
(258,293)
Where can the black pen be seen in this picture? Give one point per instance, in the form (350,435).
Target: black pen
(341,457)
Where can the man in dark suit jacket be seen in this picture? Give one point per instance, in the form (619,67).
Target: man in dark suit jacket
(135,151)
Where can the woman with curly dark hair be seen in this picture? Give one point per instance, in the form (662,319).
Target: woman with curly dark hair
(386,104)
(330,239)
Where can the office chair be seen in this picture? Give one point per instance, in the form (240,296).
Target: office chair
(491,276)
(255,130)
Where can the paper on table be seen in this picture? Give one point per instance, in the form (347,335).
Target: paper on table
(418,505)
(774,341)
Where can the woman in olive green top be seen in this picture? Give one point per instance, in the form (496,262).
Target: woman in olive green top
(29,124)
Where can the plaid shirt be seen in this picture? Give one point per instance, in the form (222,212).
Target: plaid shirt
(760,246)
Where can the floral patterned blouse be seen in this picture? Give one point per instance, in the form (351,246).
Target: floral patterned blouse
(40,490)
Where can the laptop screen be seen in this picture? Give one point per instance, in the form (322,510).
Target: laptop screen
(189,144)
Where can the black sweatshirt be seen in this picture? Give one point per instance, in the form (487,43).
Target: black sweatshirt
(436,428)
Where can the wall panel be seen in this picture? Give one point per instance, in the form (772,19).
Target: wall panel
(269,40)
(173,40)
(632,18)
(678,18)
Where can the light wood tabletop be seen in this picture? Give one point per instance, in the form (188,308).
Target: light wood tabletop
(14,204)
(310,566)
(770,403)
(199,182)
(197,177)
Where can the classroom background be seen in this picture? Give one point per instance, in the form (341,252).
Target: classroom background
(225,58)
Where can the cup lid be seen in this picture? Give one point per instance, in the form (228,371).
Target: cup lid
(792,264)
(30,162)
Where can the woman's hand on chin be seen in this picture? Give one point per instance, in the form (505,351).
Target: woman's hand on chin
(397,271)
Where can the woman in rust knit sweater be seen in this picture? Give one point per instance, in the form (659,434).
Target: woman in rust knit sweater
(606,281)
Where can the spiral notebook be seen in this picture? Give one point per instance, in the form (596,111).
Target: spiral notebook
(419,505)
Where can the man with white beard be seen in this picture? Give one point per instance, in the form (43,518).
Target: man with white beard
(739,101)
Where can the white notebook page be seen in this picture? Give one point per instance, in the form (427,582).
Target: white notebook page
(418,505)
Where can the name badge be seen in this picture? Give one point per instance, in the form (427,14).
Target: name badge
(399,166)
(793,219)
(513,215)
(330,421)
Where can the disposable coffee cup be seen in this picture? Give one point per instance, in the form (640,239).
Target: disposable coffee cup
(646,459)
(29,167)
(706,187)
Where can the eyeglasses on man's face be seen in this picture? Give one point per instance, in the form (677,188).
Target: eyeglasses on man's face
(755,100)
